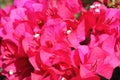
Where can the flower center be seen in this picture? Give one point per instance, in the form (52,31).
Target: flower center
(36,35)
(69,73)
(40,23)
(69,31)
(11,72)
(63,78)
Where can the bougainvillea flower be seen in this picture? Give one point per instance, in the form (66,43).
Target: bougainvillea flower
(11,59)
(92,65)
(58,40)
(65,8)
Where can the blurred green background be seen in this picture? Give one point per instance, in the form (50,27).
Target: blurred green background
(4,3)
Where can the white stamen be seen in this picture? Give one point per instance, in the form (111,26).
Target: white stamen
(36,35)
(11,72)
(97,10)
(97,5)
(68,31)
(63,78)
(92,6)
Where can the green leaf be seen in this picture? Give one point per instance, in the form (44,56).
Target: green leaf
(77,16)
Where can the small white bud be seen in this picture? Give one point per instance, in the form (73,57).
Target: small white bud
(97,10)
(69,31)
(11,72)
(92,6)
(36,35)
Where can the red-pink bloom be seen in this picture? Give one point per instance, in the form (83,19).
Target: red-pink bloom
(11,57)
(66,9)
(42,40)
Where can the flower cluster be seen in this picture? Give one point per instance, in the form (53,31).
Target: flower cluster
(58,40)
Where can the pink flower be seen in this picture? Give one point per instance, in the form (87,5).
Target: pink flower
(43,40)
(92,65)
(66,9)
(11,59)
